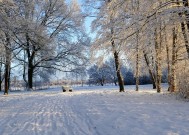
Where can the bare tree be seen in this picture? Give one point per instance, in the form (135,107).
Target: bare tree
(48,29)
(99,75)
(6,17)
(106,40)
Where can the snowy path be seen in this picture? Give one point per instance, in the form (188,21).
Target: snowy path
(93,113)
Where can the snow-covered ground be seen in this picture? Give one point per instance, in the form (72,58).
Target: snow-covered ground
(93,111)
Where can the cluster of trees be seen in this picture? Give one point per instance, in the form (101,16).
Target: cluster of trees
(103,74)
(38,37)
(151,34)
(106,74)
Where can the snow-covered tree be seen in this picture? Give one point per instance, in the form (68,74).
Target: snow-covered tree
(99,75)
(7,16)
(106,41)
(50,35)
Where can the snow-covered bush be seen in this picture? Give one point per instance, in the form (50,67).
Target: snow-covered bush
(183,80)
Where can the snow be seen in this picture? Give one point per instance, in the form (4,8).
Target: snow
(93,111)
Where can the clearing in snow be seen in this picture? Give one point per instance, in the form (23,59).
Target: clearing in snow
(93,111)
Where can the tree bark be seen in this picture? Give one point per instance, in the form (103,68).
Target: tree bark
(136,3)
(117,65)
(24,70)
(9,75)
(185,37)
(30,56)
(173,64)
(119,76)
(168,64)
(30,76)
(1,65)
(137,61)
(184,31)
(150,70)
(158,64)
(6,78)
(116,57)
(7,64)
(185,3)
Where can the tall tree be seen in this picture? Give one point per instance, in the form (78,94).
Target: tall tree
(173,64)
(7,16)
(104,24)
(53,36)
(136,3)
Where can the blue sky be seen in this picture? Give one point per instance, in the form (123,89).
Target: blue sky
(88,21)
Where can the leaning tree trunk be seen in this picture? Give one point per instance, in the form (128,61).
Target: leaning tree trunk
(150,70)
(117,65)
(118,71)
(173,64)
(116,56)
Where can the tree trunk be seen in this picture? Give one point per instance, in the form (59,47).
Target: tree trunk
(1,65)
(115,82)
(185,3)
(117,65)
(184,31)
(0,83)
(158,64)
(24,70)
(118,71)
(150,70)
(185,37)
(137,62)
(30,57)
(7,64)
(30,76)
(101,83)
(135,5)
(173,64)
(6,78)
(9,74)
(7,68)
(168,64)
(116,57)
